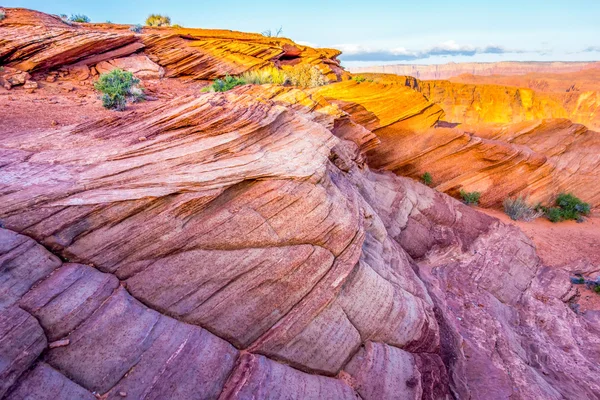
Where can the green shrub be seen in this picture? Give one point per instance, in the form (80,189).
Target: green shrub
(427,178)
(227,83)
(597,289)
(263,76)
(177,26)
(470,197)
(305,76)
(158,20)
(518,209)
(79,18)
(136,28)
(118,87)
(359,79)
(568,207)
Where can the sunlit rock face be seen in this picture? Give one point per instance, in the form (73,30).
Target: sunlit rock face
(450,70)
(251,244)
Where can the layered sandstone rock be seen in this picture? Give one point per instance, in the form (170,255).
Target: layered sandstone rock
(31,41)
(467,137)
(445,71)
(260,257)
(239,245)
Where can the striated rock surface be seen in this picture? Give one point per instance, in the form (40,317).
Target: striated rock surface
(449,70)
(32,41)
(243,245)
(471,139)
(244,249)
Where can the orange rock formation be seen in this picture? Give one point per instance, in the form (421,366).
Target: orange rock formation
(445,71)
(251,244)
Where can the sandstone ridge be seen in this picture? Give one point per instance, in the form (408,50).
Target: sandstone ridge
(251,244)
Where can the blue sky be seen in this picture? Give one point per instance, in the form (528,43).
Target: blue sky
(384,32)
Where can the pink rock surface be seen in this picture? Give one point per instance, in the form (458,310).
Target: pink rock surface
(45,383)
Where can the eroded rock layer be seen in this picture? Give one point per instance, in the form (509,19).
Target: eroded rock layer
(237,246)
(250,244)
(472,139)
(32,41)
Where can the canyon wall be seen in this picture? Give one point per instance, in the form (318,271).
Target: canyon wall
(445,71)
(258,244)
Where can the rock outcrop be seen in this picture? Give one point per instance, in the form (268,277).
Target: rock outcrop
(250,244)
(468,137)
(35,42)
(445,71)
(259,256)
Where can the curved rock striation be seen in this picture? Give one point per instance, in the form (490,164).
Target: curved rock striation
(468,141)
(236,245)
(32,41)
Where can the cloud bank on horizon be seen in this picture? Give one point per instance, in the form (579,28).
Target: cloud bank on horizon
(360,53)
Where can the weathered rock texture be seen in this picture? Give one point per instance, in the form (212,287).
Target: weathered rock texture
(490,139)
(259,257)
(239,246)
(32,41)
(445,71)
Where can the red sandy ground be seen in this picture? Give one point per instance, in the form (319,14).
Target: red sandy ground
(67,102)
(564,243)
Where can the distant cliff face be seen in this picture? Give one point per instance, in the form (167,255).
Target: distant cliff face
(445,71)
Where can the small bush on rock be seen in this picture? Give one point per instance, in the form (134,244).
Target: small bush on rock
(427,179)
(269,75)
(305,76)
(470,197)
(359,79)
(2,15)
(568,207)
(227,83)
(118,87)
(136,28)
(79,18)
(519,210)
(158,20)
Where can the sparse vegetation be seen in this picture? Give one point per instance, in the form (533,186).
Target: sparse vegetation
(117,88)
(471,198)
(269,75)
(518,209)
(177,26)
(79,18)
(269,33)
(305,76)
(158,20)
(592,284)
(427,179)
(2,15)
(359,78)
(568,207)
(227,83)
(136,28)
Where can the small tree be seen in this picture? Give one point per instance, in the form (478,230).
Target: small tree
(79,18)
(118,87)
(427,178)
(158,20)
